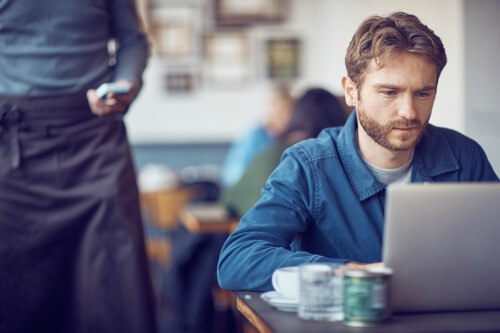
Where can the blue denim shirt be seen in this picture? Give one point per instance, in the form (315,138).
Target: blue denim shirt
(322,204)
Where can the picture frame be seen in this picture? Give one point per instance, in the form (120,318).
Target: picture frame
(227,58)
(283,58)
(180,81)
(245,12)
(174,32)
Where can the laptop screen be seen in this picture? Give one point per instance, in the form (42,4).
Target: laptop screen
(443,242)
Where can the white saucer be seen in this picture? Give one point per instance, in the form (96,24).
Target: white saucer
(279,301)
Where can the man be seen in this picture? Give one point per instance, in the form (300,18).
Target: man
(72,256)
(325,201)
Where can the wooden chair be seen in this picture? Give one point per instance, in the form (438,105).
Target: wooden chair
(163,206)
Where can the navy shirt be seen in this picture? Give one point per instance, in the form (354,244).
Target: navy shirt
(322,204)
(55,47)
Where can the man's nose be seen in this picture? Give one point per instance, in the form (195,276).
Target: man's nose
(407,107)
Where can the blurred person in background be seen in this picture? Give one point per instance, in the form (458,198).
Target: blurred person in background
(72,255)
(315,110)
(243,150)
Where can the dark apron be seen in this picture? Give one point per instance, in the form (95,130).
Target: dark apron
(72,255)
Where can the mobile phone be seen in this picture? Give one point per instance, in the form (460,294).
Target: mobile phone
(118,88)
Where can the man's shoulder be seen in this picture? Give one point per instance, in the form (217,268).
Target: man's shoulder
(324,146)
(446,149)
(456,140)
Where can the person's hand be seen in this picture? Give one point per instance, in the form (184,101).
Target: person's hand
(113,103)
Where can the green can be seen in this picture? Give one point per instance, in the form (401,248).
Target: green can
(366,296)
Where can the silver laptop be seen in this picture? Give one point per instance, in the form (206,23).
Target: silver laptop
(443,243)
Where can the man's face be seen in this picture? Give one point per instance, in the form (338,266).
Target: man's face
(395,101)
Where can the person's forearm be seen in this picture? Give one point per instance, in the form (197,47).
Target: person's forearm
(248,264)
(132,51)
(131,61)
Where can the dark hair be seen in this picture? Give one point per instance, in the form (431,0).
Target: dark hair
(380,38)
(312,112)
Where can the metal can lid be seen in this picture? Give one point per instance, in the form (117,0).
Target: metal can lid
(380,270)
(368,272)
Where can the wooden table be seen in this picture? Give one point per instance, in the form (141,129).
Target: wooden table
(211,217)
(266,319)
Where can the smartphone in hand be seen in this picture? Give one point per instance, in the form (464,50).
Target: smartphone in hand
(118,88)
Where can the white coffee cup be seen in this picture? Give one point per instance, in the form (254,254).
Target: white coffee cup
(286,281)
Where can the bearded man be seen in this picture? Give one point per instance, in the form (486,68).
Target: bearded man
(325,201)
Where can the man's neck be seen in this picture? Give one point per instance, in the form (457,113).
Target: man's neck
(379,156)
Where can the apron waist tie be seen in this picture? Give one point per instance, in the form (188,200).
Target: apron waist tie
(10,120)
(38,114)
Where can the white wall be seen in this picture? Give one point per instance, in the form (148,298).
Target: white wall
(326,27)
(482,83)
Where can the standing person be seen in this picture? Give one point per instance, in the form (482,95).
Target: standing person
(325,201)
(72,256)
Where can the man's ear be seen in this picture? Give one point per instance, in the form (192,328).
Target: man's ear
(350,91)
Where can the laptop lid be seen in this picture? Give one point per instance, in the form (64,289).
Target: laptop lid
(443,242)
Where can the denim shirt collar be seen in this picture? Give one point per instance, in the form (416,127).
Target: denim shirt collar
(433,156)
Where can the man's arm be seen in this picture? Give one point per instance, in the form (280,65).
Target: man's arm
(132,52)
(131,58)
(262,240)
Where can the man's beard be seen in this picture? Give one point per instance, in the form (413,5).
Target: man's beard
(380,133)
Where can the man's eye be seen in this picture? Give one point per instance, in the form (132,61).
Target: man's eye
(388,92)
(423,94)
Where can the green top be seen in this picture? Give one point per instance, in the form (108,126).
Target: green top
(244,194)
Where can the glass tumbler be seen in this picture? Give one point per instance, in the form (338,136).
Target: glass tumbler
(320,296)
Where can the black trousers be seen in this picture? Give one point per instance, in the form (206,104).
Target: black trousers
(72,256)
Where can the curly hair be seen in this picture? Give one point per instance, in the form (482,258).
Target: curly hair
(381,38)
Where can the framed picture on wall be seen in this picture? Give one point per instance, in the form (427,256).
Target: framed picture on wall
(283,58)
(227,58)
(180,81)
(174,32)
(242,12)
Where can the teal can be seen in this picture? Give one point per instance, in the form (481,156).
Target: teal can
(366,296)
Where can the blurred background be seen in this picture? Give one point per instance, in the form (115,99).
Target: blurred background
(214,61)
(213,75)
